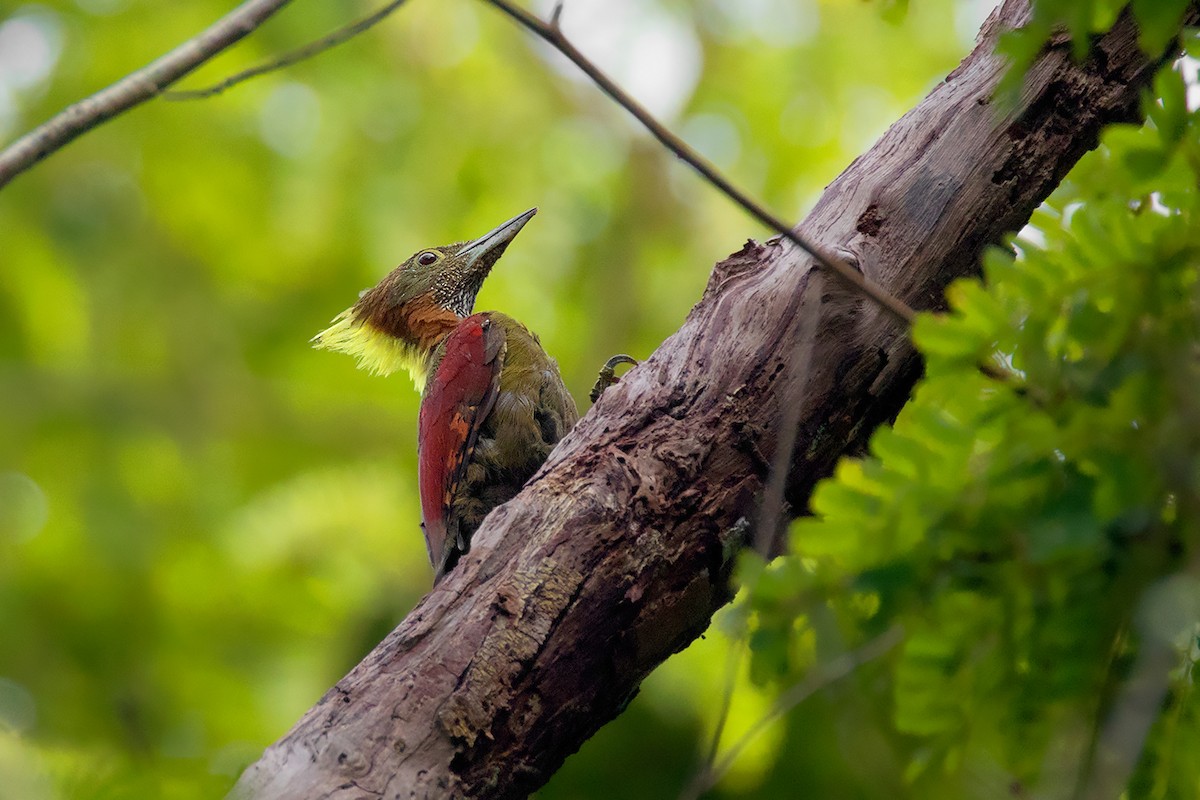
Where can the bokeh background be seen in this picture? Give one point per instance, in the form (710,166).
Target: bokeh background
(204,523)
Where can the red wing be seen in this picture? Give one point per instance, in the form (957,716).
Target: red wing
(459,397)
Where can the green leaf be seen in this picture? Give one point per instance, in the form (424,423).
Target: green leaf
(894,11)
(1168,106)
(1159,22)
(1145,163)
(900,453)
(1105,13)
(941,336)
(977,309)
(926,702)
(769,647)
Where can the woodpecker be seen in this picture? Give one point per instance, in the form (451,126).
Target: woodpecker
(493,403)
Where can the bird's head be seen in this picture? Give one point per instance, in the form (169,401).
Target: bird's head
(399,323)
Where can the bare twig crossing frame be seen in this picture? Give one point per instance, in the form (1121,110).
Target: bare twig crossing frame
(552,33)
(134,89)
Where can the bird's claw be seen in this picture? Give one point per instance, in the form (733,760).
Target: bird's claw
(608,376)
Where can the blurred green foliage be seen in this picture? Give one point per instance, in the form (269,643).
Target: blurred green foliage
(1158,24)
(204,523)
(1038,543)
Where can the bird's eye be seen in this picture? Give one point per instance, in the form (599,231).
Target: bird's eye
(427,258)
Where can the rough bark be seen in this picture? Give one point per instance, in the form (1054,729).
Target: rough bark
(616,555)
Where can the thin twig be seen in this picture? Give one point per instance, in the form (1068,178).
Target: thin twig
(302,53)
(552,33)
(732,665)
(134,89)
(1123,734)
(821,677)
(1138,705)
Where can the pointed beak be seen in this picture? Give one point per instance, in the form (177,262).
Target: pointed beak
(487,248)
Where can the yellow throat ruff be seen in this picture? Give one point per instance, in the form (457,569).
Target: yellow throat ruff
(375,351)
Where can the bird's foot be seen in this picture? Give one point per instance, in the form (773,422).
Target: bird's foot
(608,376)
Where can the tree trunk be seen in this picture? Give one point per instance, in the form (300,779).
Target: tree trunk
(618,552)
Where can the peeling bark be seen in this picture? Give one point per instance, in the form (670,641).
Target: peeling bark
(618,552)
